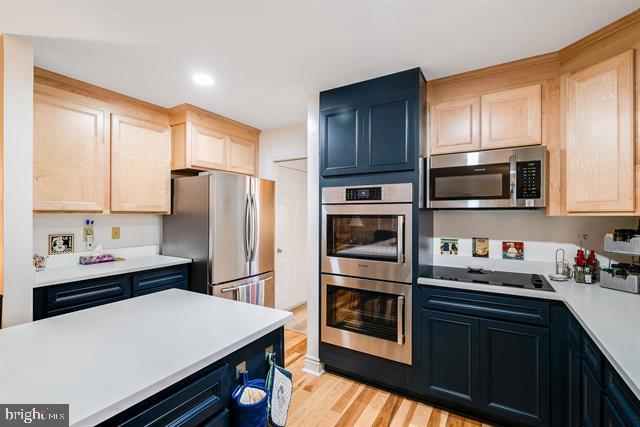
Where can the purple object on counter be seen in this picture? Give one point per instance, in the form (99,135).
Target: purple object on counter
(88,260)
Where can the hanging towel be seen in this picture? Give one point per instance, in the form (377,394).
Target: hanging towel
(252,293)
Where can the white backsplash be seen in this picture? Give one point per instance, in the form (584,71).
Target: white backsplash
(541,235)
(135,230)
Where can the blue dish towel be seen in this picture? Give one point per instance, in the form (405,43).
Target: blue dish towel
(252,293)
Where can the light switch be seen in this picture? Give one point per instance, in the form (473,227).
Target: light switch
(115,233)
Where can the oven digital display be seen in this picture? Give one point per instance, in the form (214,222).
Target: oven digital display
(364,193)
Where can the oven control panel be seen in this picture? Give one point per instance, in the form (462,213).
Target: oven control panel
(363,193)
(529,179)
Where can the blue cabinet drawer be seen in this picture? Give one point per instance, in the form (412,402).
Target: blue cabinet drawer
(197,403)
(156,280)
(223,419)
(622,398)
(592,357)
(70,297)
(520,310)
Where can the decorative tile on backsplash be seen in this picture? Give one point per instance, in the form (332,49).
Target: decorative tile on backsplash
(480,247)
(449,246)
(513,250)
(60,243)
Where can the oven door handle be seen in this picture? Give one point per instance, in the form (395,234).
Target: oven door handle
(512,180)
(401,257)
(400,314)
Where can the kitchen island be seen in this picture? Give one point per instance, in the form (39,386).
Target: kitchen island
(138,355)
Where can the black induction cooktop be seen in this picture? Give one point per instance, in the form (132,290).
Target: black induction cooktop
(493,278)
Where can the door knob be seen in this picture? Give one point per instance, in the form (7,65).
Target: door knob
(279,251)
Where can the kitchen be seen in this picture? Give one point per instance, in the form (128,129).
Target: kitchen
(437,203)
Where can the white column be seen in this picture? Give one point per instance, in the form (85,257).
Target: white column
(312,363)
(16,123)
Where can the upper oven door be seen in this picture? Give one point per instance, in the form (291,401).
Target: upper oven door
(372,241)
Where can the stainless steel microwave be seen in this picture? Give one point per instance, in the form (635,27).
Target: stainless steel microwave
(506,178)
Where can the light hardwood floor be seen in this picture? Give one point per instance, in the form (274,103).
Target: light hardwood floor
(331,400)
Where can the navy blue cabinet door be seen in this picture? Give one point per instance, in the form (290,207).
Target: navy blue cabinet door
(514,360)
(590,402)
(610,417)
(574,362)
(450,356)
(390,134)
(340,137)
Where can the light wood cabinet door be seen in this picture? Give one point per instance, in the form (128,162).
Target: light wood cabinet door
(241,156)
(455,126)
(598,112)
(70,154)
(512,117)
(140,165)
(208,147)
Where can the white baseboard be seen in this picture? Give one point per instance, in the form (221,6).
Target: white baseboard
(313,366)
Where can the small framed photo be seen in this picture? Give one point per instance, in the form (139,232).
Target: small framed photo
(513,250)
(481,247)
(448,246)
(60,244)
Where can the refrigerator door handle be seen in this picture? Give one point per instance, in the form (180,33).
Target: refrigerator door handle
(247,231)
(254,227)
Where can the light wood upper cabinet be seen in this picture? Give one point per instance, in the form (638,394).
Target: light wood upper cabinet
(512,117)
(70,152)
(455,126)
(598,108)
(241,156)
(202,140)
(208,147)
(140,165)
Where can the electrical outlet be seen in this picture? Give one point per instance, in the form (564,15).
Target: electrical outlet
(115,233)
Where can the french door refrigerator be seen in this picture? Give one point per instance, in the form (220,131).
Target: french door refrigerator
(225,222)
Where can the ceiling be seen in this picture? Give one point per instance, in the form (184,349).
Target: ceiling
(267,57)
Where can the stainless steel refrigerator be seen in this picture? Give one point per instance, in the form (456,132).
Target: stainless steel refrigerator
(225,222)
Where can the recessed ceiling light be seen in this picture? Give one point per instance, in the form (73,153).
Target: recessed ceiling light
(203,79)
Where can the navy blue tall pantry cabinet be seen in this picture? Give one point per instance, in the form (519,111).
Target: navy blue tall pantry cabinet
(371,126)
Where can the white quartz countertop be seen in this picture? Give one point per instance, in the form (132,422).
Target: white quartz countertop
(77,272)
(608,316)
(105,359)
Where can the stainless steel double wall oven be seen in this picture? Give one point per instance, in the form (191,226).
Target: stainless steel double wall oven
(367,269)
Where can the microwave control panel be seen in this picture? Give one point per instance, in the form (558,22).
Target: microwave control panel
(528,179)
(364,193)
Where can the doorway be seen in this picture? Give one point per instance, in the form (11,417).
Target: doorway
(291,233)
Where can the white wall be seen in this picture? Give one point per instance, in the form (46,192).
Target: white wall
(312,363)
(541,235)
(135,230)
(17,157)
(283,143)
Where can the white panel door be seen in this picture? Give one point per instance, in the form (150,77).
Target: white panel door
(291,236)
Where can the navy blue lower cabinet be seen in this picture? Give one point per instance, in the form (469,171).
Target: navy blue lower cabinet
(203,398)
(625,404)
(514,361)
(590,411)
(610,416)
(451,356)
(50,301)
(574,375)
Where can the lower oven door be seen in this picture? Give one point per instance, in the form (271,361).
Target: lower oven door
(367,316)
(368,240)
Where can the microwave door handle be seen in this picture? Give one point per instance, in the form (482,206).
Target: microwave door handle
(512,180)
(400,239)
(400,322)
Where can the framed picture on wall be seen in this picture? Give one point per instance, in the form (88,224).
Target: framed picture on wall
(481,247)
(513,250)
(60,244)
